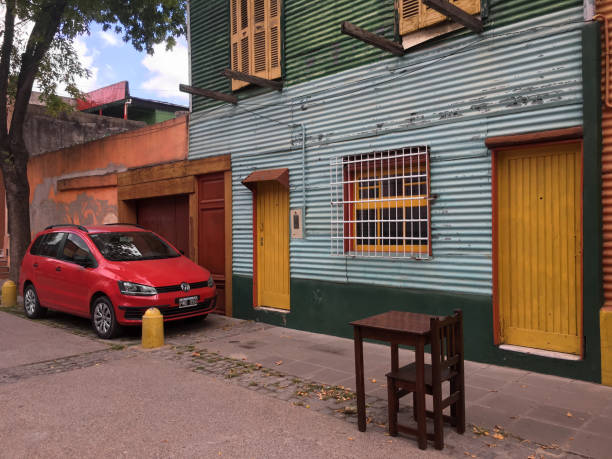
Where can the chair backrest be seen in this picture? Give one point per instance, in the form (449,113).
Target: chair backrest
(447,344)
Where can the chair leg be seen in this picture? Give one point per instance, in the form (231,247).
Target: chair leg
(392,403)
(461,410)
(438,418)
(453,407)
(414,405)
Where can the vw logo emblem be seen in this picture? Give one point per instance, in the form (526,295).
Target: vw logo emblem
(185,287)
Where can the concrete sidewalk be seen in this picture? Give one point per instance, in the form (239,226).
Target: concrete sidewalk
(511,413)
(562,416)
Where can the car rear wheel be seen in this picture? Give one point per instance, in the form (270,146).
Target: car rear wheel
(103,318)
(31,305)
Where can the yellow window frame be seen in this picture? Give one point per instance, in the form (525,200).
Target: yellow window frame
(379,203)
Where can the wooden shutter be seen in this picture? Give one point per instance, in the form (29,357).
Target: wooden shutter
(275,40)
(409,13)
(414,15)
(256,39)
(429,16)
(240,39)
(259,30)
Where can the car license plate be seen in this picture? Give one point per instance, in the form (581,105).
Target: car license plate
(188,301)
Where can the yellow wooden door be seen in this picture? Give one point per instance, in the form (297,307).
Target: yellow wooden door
(539,240)
(272,245)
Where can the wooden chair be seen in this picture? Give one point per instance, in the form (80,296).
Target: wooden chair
(447,365)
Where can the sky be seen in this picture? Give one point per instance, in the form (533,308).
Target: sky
(111,60)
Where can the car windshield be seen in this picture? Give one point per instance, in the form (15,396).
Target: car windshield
(132,245)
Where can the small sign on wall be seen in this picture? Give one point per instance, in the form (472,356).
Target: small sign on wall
(296,224)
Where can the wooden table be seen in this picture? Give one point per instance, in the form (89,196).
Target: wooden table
(395,327)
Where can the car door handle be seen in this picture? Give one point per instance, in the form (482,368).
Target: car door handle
(57,268)
(35,265)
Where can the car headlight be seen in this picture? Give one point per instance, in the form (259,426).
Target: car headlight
(211,282)
(130,288)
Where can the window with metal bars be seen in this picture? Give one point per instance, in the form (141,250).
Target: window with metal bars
(380,204)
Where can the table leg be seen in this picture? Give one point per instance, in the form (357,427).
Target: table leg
(394,357)
(420,394)
(394,368)
(359,380)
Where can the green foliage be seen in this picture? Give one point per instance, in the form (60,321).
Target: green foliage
(143,23)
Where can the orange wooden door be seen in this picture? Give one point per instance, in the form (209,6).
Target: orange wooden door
(211,229)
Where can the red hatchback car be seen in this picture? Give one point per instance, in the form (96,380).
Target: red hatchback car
(112,274)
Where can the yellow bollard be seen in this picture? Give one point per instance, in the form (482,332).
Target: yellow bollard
(9,293)
(152,329)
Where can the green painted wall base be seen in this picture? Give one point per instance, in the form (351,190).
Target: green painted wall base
(328,307)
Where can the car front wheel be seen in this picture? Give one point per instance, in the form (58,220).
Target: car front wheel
(103,318)
(31,305)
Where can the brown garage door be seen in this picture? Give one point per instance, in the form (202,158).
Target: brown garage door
(168,216)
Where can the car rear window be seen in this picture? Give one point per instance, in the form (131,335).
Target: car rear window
(35,249)
(132,246)
(50,245)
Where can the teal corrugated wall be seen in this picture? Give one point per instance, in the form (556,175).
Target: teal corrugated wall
(522,77)
(314,46)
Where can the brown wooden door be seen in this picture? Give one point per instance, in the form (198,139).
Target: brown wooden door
(168,216)
(211,228)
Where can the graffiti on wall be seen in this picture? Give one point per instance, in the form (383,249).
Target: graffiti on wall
(78,207)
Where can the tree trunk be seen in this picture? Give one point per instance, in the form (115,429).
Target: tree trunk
(18,205)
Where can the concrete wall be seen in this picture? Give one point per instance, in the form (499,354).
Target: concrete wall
(78,184)
(49,133)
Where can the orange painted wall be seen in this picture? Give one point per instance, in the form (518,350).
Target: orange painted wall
(159,143)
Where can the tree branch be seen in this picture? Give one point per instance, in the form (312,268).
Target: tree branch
(47,23)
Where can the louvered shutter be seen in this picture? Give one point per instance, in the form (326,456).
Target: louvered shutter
(408,15)
(274,60)
(259,29)
(429,16)
(256,39)
(240,33)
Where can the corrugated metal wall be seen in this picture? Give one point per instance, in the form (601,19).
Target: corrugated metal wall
(604,7)
(314,46)
(514,79)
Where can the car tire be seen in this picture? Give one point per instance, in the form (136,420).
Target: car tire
(103,318)
(31,305)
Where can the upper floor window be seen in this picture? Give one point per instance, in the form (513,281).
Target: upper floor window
(380,204)
(255,39)
(414,15)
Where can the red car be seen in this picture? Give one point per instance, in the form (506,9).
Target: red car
(112,274)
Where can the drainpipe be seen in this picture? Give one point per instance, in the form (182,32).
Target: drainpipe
(303,127)
(125,106)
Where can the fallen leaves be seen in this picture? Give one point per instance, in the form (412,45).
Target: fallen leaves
(350,409)
(497,433)
(278,362)
(569,415)
(373,381)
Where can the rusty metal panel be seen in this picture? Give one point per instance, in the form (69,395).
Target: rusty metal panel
(520,78)
(604,8)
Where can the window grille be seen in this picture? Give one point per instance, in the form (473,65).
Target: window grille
(380,204)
